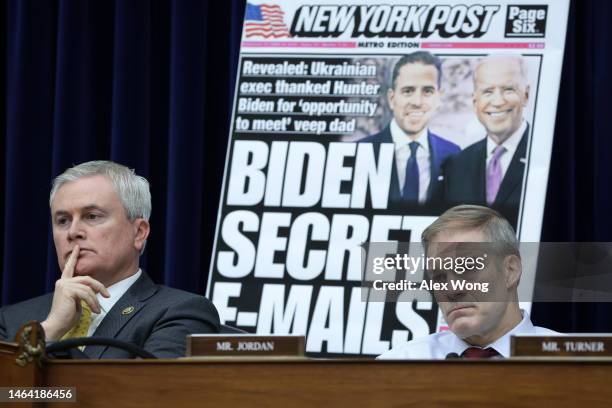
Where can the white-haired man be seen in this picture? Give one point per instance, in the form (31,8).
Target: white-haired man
(480,322)
(100,212)
(490,172)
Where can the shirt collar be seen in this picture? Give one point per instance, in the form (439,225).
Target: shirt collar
(117,290)
(510,143)
(501,345)
(401,139)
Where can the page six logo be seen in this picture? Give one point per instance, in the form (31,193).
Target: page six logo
(526,21)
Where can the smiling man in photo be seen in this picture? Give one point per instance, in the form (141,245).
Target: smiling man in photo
(480,323)
(414,97)
(490,172)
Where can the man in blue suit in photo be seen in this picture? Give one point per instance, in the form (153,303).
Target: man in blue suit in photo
(414,97)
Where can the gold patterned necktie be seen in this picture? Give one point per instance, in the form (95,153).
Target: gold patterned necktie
(81,328)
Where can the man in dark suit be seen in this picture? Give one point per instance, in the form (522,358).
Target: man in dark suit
(490,172)
(414,97)
(100,213)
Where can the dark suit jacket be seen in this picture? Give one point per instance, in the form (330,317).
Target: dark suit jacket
(465,179)
(439,149)
(161,319)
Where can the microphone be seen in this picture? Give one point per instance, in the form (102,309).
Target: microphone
(452,356)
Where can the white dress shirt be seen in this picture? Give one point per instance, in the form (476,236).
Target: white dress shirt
(116,291)
(437,346)
(510,144)
(402,153)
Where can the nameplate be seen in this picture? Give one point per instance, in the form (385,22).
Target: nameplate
(561,346)
(244,345)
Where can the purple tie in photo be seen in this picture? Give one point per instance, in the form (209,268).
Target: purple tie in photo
(494,174)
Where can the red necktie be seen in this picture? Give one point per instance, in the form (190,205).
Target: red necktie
(477,352)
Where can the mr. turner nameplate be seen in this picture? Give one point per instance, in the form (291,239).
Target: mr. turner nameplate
(562,346)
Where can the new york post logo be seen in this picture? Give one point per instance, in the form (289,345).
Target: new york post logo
(526,21)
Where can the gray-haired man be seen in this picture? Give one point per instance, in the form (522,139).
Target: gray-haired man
(480,324)
(100,212)
(490,171)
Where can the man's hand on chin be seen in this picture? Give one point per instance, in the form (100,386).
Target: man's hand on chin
(69,291)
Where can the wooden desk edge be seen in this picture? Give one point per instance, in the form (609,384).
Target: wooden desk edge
(306,360)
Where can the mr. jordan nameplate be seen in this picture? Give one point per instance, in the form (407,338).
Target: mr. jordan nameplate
(207,345)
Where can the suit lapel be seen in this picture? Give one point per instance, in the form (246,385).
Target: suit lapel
(394,187)
(514,174)
(128,306)
(434,164)
(481,163)
(43,311)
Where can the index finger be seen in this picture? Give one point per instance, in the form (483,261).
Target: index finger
(68,271)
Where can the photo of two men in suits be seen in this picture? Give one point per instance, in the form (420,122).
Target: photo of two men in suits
(433,172)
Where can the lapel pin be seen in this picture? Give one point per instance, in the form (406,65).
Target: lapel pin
(127,310)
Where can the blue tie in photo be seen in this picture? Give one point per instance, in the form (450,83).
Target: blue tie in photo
(410,192)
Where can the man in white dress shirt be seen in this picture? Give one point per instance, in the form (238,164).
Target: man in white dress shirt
(480,324)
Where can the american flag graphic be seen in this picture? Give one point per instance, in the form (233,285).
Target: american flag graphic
(265,20)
